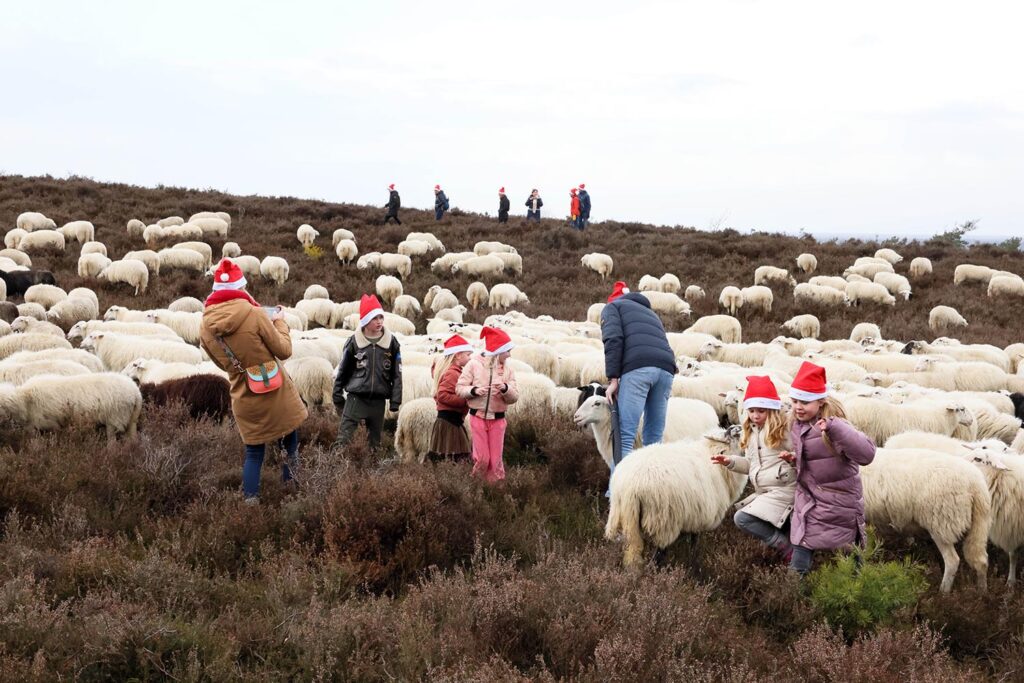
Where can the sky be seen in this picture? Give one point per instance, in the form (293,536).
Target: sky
(873,118)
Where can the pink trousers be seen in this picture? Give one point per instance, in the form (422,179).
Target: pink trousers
(488,443)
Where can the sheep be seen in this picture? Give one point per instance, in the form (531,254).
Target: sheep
(668,489)
(535,391)
(170,221)
(81,329)
(83,358)
(9,266)
(943,318)
(443,264)
(731,299)
(966,375)
(223,215)
(429,238)
(920,267)
(601,264)
(833,281)
(84,292)
(723,327)
(858,292)
(314,380)
(80,231)
(71,311)
(131,272)
(413,247)
(210,227)
(346,251)
(26,325)
(341,234)
(649,283)
(505,295)
(388,288)
(185,325)
(199,247)
(13,238)
(186,304)
(182,258)
(477,295)
(541,357)
(969,273)
(942,494)
(594,312)
(320,311)
(1005,479)
(230,250)
(864,331)
(888,255)
(972,352)
(480,266)
(49,402)
(438,298)
(186,231)
(868,270)
(399,264)
(803,326)
(117,351)
(897,285)
(395,323)
(1001,285)
(881,419)
(808,263)
(33,220)
(412,433)
(152,235)
(316,292)
(307,234)
(32,310)
(44,295)
(135,227)
(513,263)
(146,256)
(93,248)
(408,307)
(203,395)
(693,294)
(759,297)
(454,314)
(42,240)
(667,304)
(19,373)
(91,265)
(274,268)
(484,248)
(19,257)
(768,275)
(671,284)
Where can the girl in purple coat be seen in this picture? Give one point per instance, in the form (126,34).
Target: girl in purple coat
(828,507)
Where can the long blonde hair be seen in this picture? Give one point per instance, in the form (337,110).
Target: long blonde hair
(830,407)
(776,427)
(441,366)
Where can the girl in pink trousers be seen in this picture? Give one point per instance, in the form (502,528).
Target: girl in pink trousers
(489,387)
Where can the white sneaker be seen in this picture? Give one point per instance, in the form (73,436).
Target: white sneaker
(254,500)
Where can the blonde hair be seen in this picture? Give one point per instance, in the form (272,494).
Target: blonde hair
(440,367)
(775,428)
(830,407)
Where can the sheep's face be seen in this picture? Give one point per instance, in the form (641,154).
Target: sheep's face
(112,312)
(76,331)
(985,455)
(456,268)
(594,410)
(135,369)
(925,365)
(20,323)
(689,367)
(709,350)
(89,343)
(964,417)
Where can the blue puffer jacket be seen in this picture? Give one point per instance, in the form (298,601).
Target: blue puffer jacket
(634,337)
(584,204)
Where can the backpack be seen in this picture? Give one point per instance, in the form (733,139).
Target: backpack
(446,202)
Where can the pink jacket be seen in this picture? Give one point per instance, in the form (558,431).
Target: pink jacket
(478,374)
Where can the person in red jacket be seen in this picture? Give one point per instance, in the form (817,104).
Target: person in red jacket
(449,438)
(574,208)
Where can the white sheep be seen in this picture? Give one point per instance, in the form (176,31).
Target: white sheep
(117,351)
(19,257)
(13,238)
(768,275)
(505,295)
(833,281)
(803,326)
(898,285)
(129,271)
(920,267)
(944,318)
(480,266)
(93,248)
(667,303)
(723,327)
(346,251)
(412,433)
(13,343)
(693,294)
(135,227)
(82,329)
(484,248)
(41,240)
(80,231)
(33,220)
(152,235)
(477,295)
(19,373)
(731,299)
(969,273)
(601,264)
(320,311)
(230,250)
(200,248)
(1005,479)
(49,402)
(51,354)
(186,304)
(513,263)
(1004,285)
(185,324)
(649,283)
(316,292)
(881,419)
(399,264)
(413,247)
(341,234)
(211,227)
(594,312)
(185,259)
(274,268)
(541,357)
(888,255)
(146,256)
(438,298)
(170,221)
(186,231)
(808,263)
(861,292)
(454,314)
(44,295)
(671,284)
(223,215)
(443,264)
(869,270)
(758,297)
(388,288)
(863,331)
(314,380)
(24,324)
(72,310)
(306,235)
(984,353)
(33,310)
(152,371)
(85,293)
(395,323)
(408,307)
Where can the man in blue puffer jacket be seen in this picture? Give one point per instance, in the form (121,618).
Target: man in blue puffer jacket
(639,364)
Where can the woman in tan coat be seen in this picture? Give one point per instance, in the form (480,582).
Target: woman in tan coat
(238,334)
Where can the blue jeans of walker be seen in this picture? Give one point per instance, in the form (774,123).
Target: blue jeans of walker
(801,560)
(643,391)
(254,463)
(438,214)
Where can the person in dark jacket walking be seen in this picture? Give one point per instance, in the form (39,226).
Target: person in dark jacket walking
(639,364)
(440,203)
(393,205)
(503,206)
(370,374)
(533,204)
(584,197)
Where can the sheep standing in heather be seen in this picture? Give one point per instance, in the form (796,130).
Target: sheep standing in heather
(869,292)
(920,267)
(346,251)
(649,283)
(944,318)
(723,327)
(33,220)
(731,299)
(769,275)
(808,263)
(306,234)
(49,402)
(477,295)
(671,284)
(601,264)
(274,268)
(758,297)
(693,294)
(388,288)
(804,326)
(341,234)
(131,272)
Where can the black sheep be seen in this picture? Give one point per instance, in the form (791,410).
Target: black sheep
(8,311)
(1018,405)
(203,395)
(18,281)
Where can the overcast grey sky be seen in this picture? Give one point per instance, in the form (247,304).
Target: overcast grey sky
(868,117)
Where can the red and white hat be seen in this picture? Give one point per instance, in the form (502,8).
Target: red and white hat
(456,344)
(501,190)
(619,289)
(369,308)
(436,188)
(761,393)
(391,186)
(495,341)
(583,186)
(228,276)
(809,383)
(572,191)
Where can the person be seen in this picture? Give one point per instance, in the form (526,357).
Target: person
(370,375)
(584,207)
(574,209)
(240,338)
(488,384)
(533,204)
(440,203)
(764,514)
(828,506)
(449,439)
(393,205)
(503,206)
(639,364)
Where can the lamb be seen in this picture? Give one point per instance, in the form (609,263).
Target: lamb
(438,298)
(185,325)
(920,267)
(91,265)
(942,494)
(668,489)
(731,299)
(967,273)
(146,256)
(199,247)
(408,307)
(211,227)
(33,220)
(723,327)
(859,292)
(649,283)
(170,221)
(443,265)
(13,238)
(1003,285)
(135,227)
(670,283)
(152,371)
(803,326)
(93,248)
(667,304)
(49,402)
(944,318)
(601,264)
(881,419)
(833,281)
(44,295)
(71,311)
(230,250)
(19,373)
(888,255)
(388,288)
(768,275)
(480,266)
(314,380)
(316,292)
(505,295)
(306,235)
(413,247)
(117,351)
(898,285)
(758,297)
(186,304)
(429,238)
(693,294)
(477,295)
(484,248)
(346,251)
(807,263)
(864,331)
(182,258)
(42,240)
(131,272)
(274,268)
(341,234)
(399,264)
(202,395)
(81,231)
(19,257)
(26,325)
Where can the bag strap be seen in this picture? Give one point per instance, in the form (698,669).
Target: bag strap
(235,363)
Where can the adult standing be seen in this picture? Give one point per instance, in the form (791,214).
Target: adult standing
(503,206)
(440,203)
(639,364)
(242,340)
(574,208)
(533,204)
(584,197)
(393,205)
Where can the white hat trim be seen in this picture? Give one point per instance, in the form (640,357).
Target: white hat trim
(237,284)
(457,349)
(805,395)
(365,320)
(507,346)
(761,402)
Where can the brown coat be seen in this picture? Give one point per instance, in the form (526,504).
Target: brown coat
(254,339)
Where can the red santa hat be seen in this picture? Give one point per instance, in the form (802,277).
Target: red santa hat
(573,192)
(495,341)
(391,186)
(501,190)
(436,188)
(761,393)
(228,276)
(456,344)
(369,308)
(809,383)
(583,186)
(617,291)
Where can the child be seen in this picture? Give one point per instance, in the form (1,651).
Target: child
(764,513)
(489,386)
(449,437)
(828,507)
(370,374)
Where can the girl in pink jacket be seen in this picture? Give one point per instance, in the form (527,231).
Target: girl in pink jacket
(489,386)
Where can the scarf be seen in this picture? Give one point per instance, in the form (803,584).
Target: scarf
(223,295)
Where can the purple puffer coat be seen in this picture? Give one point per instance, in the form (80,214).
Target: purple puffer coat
(828,508)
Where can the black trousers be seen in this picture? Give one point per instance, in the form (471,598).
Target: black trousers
(503,216)
(390,216)
(357,410)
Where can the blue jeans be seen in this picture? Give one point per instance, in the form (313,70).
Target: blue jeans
(438,214)
(643,391)
(801,562)
(254,463)
(581,223)
(767,533)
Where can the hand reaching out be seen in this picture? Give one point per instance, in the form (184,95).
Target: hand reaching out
(720,460)
(788,457)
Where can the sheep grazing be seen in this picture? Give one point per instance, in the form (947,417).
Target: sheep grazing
(170,221)
(26,325)
(49,402)
(307,235)
(808,263)
(863,332)
(1005,479)
(319,311)
(200,248)
(33,220)
(944,318)
(412,433)
(185,325)
(667,304)
(80,231)
(722,327)
(399,264)
(804,326)
(477,295)
(341,234)
(967,273)
(313,378)
(275,269)
(594,312)
(601,264)
(438,298)
(670,283)
(897,285)
(888,255)
(662,491)
(920,267)
(649,283)
(769,275)
(1006,285)
(484,248)
(693,294)
(230,250)
(388,288)
(32,310)
(408,307)
(513,262)
(541,357)
(223,215)
(881,419)
(316,292)
(455,314)
(202,395)
(13,238)
(487,265)
(429,238)
(19,373)
(731,299)
(505,295)
(93,248)
(91,265)
(869,269)
(19,257)
(67,313)
(869,292)
(146,256)
(346,251)
(413,248)
(758,297)
(186,304)
(210,227)
(152,371)
(443,265)
(44,295)
(41,241)
(185,259)
(130,272)
(117,351)
(135,227)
